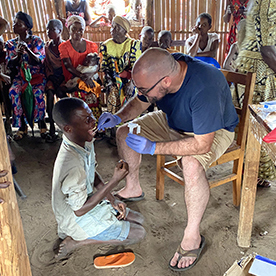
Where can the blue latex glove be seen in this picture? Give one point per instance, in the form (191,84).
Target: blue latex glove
(108,120)
(140,144)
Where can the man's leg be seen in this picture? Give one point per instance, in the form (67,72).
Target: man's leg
(136,233)
(132,188)
(196,197)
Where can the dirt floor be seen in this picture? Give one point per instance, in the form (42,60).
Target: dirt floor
(164,220)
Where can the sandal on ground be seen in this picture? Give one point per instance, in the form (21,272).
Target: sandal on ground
(195,253)
(51,138)
(114,260)
(20,134)
(43,133)
(263,183)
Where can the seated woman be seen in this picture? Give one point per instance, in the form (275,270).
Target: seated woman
(119,54)
(203,45)
(25,56)
(73,53)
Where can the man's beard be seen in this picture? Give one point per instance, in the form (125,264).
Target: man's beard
(163,92)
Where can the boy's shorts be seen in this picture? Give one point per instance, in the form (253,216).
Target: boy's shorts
(154,126)
(118,230)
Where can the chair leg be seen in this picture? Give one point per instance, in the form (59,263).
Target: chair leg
(160,177)
(237,169)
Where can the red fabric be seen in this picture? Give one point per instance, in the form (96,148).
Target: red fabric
(67,51)
(237,16)
(270,137)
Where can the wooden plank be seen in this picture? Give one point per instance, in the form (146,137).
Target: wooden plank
(14,260)
(174,176)
(167,16)
(179,18)
(149,13)
(160,179)
(249,188)
(214,183)
(157,21)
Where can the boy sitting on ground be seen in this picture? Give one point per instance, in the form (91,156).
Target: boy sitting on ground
(165,41)
(80,90)
(85,210)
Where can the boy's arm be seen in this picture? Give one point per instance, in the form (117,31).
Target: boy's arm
(120,172)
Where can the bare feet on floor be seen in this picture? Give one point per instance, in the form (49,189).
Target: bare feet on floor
(65,248)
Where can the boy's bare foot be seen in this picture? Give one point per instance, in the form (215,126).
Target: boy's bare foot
(65,248)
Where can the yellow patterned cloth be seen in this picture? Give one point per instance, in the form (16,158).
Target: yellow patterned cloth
(260,31)
(116,59)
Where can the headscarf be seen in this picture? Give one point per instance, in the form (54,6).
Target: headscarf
(123,22)
(27,19)
(74,19)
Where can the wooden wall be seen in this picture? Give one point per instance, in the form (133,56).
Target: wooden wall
(178,16)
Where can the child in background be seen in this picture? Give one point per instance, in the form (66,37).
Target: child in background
(203,45)
(165,41)
(146,37)
(230,60)
(85,210)
(54,74)
(88,94)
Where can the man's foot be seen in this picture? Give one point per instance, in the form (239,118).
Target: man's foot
(125,194)
(65,248)
(186,258)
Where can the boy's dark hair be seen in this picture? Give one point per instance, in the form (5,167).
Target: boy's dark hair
(64,110)
(207,16)
(55,23)
(165,32)
(147,29)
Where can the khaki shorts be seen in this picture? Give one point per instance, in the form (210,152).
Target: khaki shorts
(154,126)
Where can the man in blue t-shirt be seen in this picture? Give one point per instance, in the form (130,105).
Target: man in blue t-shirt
(196,122)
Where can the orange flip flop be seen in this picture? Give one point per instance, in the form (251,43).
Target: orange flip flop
(114,260)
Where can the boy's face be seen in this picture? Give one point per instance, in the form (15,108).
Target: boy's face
(90,61)
(203,25)
(164,41)
(82,125)
(53,32)
(146,39)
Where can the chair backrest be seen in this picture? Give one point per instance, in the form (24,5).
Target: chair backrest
(248,81)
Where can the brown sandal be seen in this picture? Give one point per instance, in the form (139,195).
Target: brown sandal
(263,183)
(20,134)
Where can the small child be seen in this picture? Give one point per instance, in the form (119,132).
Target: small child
(85,210)
(230,60)
(54,74)
(146,37)
(165,41)
(81,90)
(203,45)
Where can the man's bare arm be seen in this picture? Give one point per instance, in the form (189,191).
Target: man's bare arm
(199,144)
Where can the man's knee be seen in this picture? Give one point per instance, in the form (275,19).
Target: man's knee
(191,167)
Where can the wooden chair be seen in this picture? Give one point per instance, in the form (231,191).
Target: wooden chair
(234,153)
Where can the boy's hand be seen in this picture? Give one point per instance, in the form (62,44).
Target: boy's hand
(120,171)
(120,207)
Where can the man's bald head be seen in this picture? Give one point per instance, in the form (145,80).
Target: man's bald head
(154,62)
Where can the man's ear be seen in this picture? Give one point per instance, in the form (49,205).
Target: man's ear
(67,129)
(167,81)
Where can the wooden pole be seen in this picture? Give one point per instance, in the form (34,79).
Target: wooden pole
(14,260)
(149,13)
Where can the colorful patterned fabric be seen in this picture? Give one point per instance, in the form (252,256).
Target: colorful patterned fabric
(36,44)
(117,58)
(237,17)
(260,31)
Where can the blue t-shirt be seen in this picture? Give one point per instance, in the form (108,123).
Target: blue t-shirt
(203,104)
